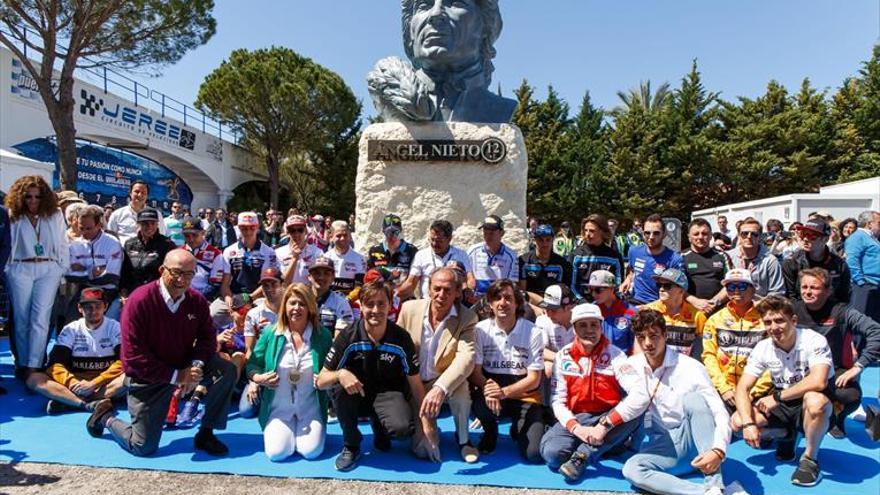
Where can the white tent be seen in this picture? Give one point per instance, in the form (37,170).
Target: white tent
(13,166)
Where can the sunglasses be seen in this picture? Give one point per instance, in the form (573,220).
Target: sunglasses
(665,286)
(737,287)
(749,233)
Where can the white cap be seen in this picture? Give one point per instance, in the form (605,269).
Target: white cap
(738,275)
(584,311)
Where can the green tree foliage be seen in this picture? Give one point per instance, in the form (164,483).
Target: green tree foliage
(126,34)
(292,112)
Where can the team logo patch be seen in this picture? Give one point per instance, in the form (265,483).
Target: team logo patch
(621,323)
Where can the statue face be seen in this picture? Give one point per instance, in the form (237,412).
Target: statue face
(446,33)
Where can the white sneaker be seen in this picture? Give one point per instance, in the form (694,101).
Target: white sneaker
(735,489)
(859,415)
(714,491)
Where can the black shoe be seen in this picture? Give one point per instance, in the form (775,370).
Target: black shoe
(381,442)
(209,444)
(3,391)
(807,472)
(347,459)
(98,419)
(54,407)
(487,443)
(573,468)
(785,447)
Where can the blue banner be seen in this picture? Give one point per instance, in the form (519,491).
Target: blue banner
(104,173)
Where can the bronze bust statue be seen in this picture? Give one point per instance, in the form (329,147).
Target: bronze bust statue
(450,45)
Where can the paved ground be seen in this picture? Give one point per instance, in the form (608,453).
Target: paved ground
(32,478)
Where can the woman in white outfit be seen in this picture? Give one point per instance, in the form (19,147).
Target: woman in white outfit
(289,354)
(38,259)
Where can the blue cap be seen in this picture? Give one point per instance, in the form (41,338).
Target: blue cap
(673,275)
(544,231)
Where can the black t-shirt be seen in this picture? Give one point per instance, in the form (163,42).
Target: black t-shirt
(587,259)
(380,368)
(705,271)
(379,257)
(538,276)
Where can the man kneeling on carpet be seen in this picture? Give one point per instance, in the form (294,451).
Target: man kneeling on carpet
(285,362)
(587,398)
(686,424)
(801,367)
(373,370)
(168,339)
(84,364)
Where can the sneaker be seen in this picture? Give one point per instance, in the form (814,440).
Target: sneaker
(331,416)
(487,443)
(54,407)
(859,414)
(207,442)
(469,453)
(190,415)
(573,468)
(347,459)
(785,447)
(735,489)
(807,472)
(98,419)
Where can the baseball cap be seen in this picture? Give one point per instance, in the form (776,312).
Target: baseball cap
(544,231)
(738,275)
(318,218)
(556,296)
(585,311)
(248,219)
(270,273)
(240,300)
(67,197)
(191,225)
(295,221)
(391,224)
(817,225)
(673,275)
(148,215)
(602,278)
(322,262)
(492,222)
(91,294)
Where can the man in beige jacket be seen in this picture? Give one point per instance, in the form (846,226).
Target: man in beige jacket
(443,332)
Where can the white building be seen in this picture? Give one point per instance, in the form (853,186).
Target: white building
(840,200)
(126,132)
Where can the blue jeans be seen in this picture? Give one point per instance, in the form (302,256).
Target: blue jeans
(247,409)
(668,453)
(558,444)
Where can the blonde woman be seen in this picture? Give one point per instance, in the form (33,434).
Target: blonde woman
(39,257)
(289,354)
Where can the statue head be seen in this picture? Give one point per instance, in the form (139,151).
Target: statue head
(450,35)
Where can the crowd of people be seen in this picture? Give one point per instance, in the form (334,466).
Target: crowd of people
(592,344)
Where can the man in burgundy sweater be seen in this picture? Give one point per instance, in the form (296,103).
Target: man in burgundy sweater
(168,339)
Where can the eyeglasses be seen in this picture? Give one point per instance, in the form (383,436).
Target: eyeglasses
(749,233)
(651,233)
(32,196)
(665,286)
(175,273)
(737,287)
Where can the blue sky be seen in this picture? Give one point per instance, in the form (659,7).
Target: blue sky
(575,45)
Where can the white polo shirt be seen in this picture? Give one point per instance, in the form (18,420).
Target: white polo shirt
(426,262)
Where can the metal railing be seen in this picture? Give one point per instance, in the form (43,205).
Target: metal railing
(112,81)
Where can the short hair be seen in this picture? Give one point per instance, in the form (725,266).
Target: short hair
(775,304)
(304,293)
(866,217)
(655,218)
(339,225)
(136,182)
(493,293)
(600,221)
(93,211)
(647,319)
(700,222)
(719,217)
(774,223)
(456,276)
(749,221)
(73,211)
(442,226)
(372,289)
(820,273)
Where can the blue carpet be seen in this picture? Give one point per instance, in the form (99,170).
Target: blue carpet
(850,467)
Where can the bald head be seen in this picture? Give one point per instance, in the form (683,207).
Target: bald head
(180,259)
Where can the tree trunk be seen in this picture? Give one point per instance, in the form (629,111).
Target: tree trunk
(274,179)
(65,136)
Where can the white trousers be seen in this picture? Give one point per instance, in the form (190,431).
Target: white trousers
(32,290)
(303,433)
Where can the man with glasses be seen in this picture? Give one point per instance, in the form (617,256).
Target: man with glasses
(684,322)
(173,224)
(648,260)
(542,267)
(617,314)
(751,254)
(729,337)
(298,255)
(814,253)
(168,340)
(394,254)
(705,267)
(124,221)
(435,256)
(210,265)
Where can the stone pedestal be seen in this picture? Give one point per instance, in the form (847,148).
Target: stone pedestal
(455,171)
